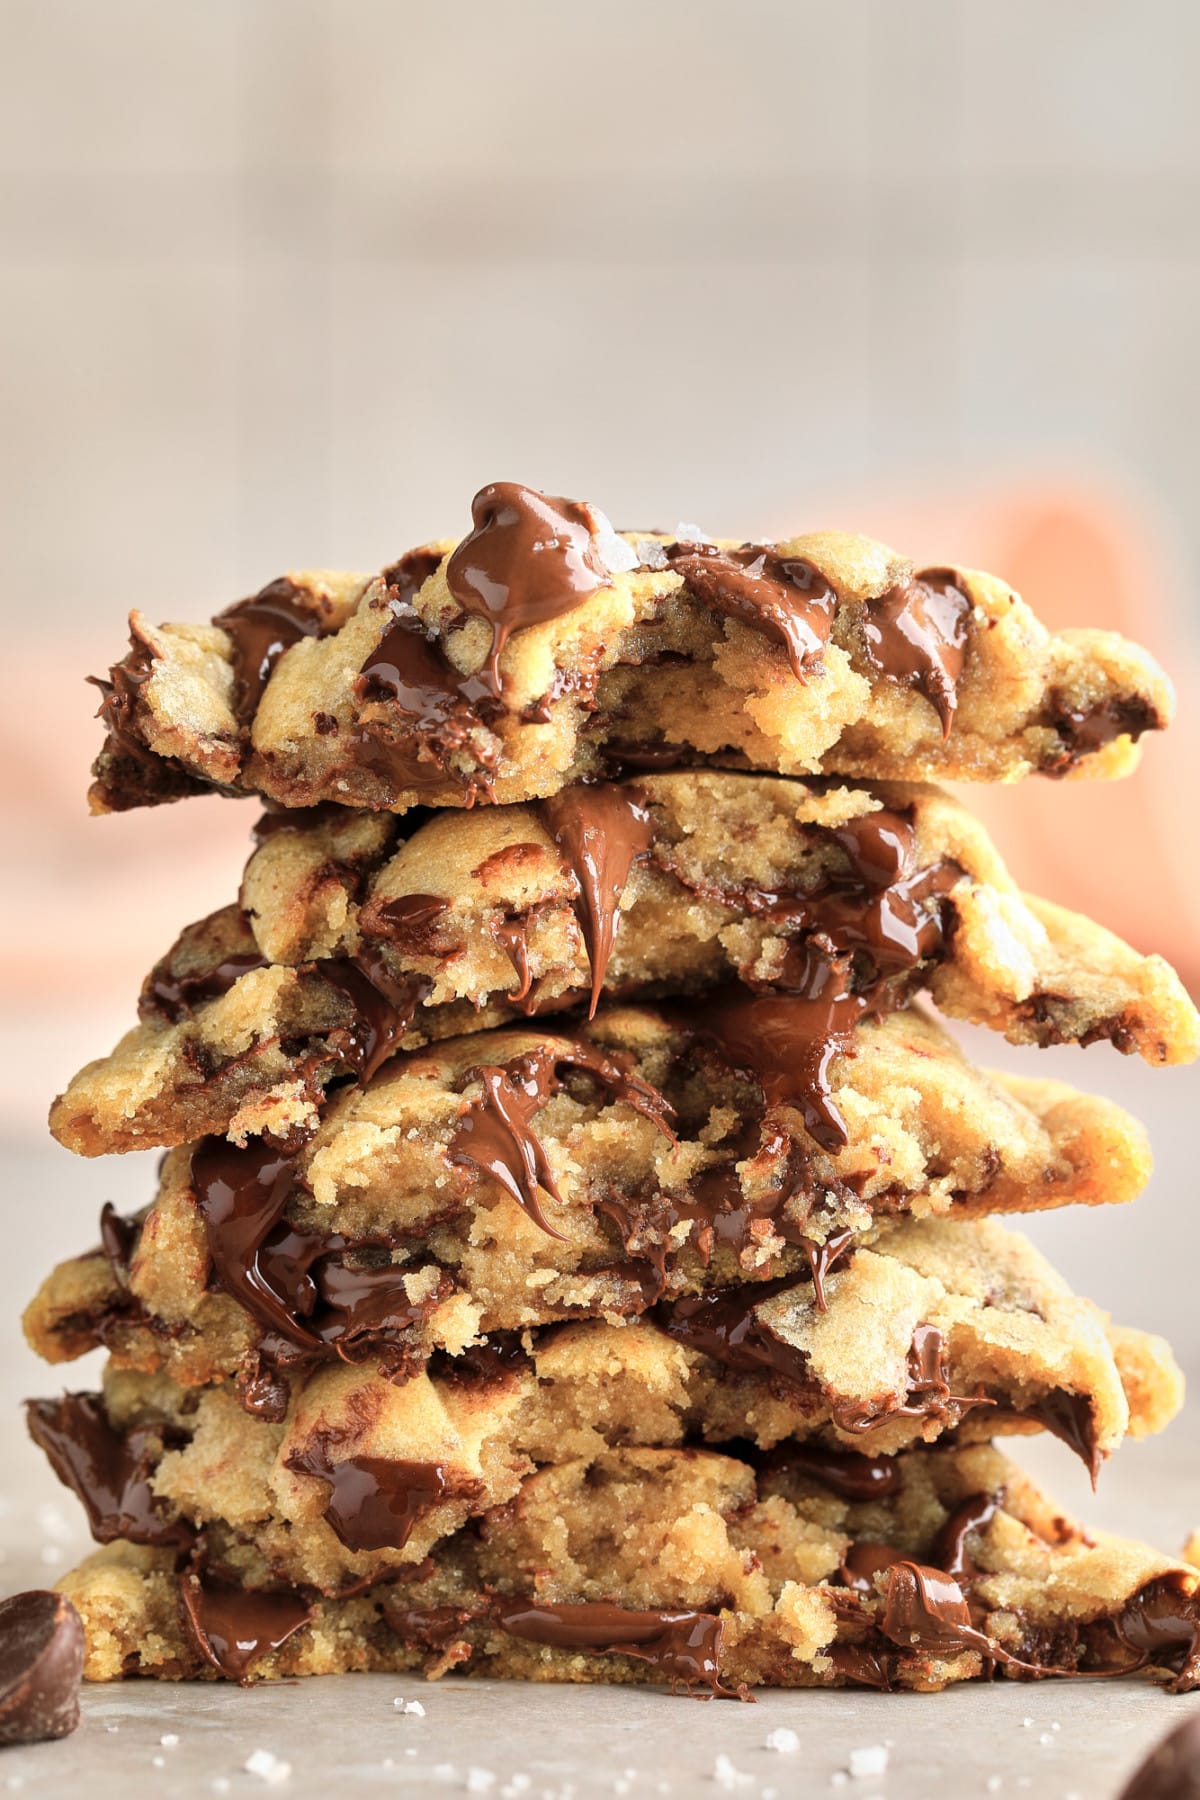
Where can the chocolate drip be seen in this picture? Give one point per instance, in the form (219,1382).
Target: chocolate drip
(865,1560)
(375,1502)
(109,1471)
(41,1662)
(409,922)
(600,830)
(785,598)
(1083,732)
(844,1472)
(950,1546)
(495,1134)
(928,1394)
(232,1626)
(529,558)
(260,630)
(383,1007)
(786,1042)
(916,635)
(1072,1419)
(512,935)
(295,1284)
(1162,1623)
(683,1646)
(925,1609)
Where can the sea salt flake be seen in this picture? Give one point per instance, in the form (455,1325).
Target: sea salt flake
(158,1762)
(415,1708)
(783,1738)
(726,1776)
(871,1760)
(169,1739)
(268,1767)
(617,556)
(480,1781)
(687,533)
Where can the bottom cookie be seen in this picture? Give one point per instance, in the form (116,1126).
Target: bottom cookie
(699,1571)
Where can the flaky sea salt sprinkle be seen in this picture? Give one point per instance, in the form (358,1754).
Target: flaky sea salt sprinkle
(783,1738)
(871,1760)
(267,1766)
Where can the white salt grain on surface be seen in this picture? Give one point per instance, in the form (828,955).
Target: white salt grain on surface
(783,1738)
(169,1739)
(480,1781)
(268,1767)
(871,1760)
(726,1776)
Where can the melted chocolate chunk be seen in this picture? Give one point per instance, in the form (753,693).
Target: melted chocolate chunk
(684,1646)
(431,1628)
(844,1472)
(529,558)
(1083,732)
(375,1502)
(297,1285)
(725,1325)
(495,1134)
(512,935)
(383,1007)
(928,1394)
(1162,1623)
(118,1240)
(260,630)
(1072,1419)
(1172,1770)
(233,1626)
(863,1668)
(916,635)
(600,829)
(865,1560)
(925,1609)
(410,922)
(128,772)
(950,1547)
(785,598)
(785,1042)
(200,966)
(41,1666)
(109,1471)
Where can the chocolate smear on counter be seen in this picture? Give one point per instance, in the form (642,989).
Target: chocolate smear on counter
(41,1666)
(975,1513)
(1083,732)
(374,1501)
(108,1470)
(118,1240)
(298,1285)
(684,1646)
(1162,1623)
(528,558)
(600,829)
(916,635)
(1072,1419)
(784,597)
(383,1006)
(495,1134)
(1172,1769)
(260,630)
(233,1626)
(845,1473)
(928,1393)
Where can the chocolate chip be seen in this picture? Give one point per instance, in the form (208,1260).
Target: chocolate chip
(41,1662)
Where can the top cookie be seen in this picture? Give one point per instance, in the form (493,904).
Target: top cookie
(545,647)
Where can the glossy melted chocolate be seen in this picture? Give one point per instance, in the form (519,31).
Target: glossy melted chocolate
(600,830)
(109,1471)
(260,630)
(785,598)
(684,1646)
(375,1502)
(233,1626)
(916,635)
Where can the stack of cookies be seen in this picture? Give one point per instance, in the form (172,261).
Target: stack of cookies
(576,1250)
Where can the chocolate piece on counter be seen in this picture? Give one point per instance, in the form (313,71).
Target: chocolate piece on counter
(916,635)
(783,597)
(495,1134)
(528,558)
(108,1470)
(383,1007)
(928,1393)
(1162,1623)
(41,1666)
(1172,1769)
(845,1473)
(260,630)
(375,1502)
(685,1646)
(233,1626)
(926,1610)
(600,830)
(1071,1419)
(949,1551)
(1083,732)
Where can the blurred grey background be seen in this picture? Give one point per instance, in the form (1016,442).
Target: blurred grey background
(283,281)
